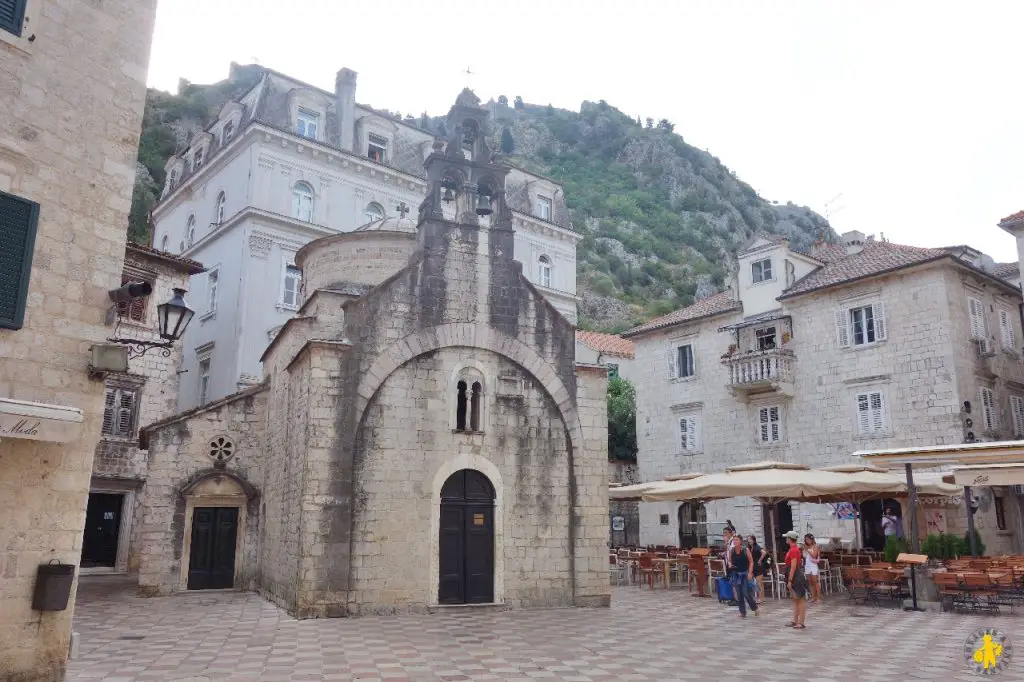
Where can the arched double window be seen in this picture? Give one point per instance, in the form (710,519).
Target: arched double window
(163,242)
(544,271)
(302,202)
(221,204)
(374,211)
(190,231)
(468,406)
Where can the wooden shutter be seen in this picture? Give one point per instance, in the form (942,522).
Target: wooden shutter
(863,413)
(764,426)
(691,427)
(977,313)
(877,413)
(125,412)
(672,363)
(878,311)
(684,434)
(18,221)
(1006,325)
(773,419)
(1017,407)
(108,412)
(988,407)
(843,327)
(12,15)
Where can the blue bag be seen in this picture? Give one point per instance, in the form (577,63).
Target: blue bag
(724,589)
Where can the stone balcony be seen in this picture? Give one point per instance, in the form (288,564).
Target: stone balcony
(760,372)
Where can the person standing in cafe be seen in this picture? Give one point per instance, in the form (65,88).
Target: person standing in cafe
(796,581)
(812,557)
(742,575)
(728,535)
(760,557)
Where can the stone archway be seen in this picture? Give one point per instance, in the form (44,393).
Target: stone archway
(473,336)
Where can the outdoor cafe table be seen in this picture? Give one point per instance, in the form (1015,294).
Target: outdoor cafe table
(667,563)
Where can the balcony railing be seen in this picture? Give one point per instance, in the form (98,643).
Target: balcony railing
(763,369)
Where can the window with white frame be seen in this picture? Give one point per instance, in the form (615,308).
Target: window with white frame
(544,271)
(227,132)
(689,433)
(870,413)
(765,337)
(221,206)
(307,124)
(1006,328)
(302,202)
(374,211)
(989,413)
(979,325)
(291,286)
(119,412)
(190,231)
(861,325)
(1017,408)
(769,424)
(212,281)
(544,208)
(377,148)
(761,271)
(681,363)
(204,380)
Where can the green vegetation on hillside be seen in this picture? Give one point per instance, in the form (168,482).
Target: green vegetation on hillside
(659,219)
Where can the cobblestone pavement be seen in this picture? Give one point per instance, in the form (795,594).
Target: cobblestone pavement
(645,635)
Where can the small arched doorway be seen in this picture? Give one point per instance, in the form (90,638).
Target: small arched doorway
(693,525)
(466,542)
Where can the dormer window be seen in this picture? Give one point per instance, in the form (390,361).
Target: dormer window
(761,271)
(174,178)
(308,123)
(197,160)
(377,148)
(544,208)
(228,131)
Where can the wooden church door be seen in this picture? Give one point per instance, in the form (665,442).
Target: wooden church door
(466,540)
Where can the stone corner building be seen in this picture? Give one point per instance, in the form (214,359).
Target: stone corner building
(422,436)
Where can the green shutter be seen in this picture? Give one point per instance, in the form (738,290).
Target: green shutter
(18,219)
(12,15)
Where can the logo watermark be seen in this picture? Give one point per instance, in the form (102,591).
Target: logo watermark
(988,651)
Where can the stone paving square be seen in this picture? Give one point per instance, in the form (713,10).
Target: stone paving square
(645,635)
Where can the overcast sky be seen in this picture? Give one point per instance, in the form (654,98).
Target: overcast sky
(909,110)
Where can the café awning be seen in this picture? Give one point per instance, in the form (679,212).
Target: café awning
(38,421)
(995,452)
(988,474)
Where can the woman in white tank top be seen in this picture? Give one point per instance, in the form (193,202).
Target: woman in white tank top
(812,555)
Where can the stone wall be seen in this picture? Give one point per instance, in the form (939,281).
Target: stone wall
(71,101)
(179,461)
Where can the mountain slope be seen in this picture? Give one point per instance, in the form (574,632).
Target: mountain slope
(660,219)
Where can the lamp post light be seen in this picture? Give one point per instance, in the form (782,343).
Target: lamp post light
(172,318)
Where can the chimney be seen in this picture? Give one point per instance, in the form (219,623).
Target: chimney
(345,101)
(853,241)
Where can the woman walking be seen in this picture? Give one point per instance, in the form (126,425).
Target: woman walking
(812,556)
(796,580)
(742,575)
(760,557)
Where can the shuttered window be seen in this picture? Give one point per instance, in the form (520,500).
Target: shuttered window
(861,326)
(18,220)
(979,325)
(119,412)
(1006,328)
(870,413)
(681,362)
(134,310)
(12,15)
(988,410)
(1017,407)
(770,424)
(689,440)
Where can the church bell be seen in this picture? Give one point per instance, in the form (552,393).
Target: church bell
(483,205)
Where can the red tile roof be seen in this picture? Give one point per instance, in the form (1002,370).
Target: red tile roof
(874,258)
(1012,218)
(190,266)
(708,307)
(608,344)
(1006,270)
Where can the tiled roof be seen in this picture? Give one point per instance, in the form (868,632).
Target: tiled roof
(1006,270)
(708,307)
(609,344)
(874,258)
(1011,218)
(190,266)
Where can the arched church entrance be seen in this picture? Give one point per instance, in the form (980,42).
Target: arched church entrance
(466,539)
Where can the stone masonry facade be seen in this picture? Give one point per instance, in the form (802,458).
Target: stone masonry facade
(926,368)
(345,447)
(72,90)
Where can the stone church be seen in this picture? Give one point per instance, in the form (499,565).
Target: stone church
(422,435)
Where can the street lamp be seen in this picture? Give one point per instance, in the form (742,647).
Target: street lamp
(172,317)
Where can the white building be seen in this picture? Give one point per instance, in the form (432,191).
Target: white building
(811,356)
(285,164)
(612,351)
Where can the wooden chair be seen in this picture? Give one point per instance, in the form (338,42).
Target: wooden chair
(855,581)
(948,586)
(645,566)
(979,591)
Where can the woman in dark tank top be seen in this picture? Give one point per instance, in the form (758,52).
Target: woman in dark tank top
(742,575)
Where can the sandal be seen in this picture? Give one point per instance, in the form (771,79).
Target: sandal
(791,624)
(800,627)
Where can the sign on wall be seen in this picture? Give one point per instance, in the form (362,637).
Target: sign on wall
(36,421)
(618,523)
